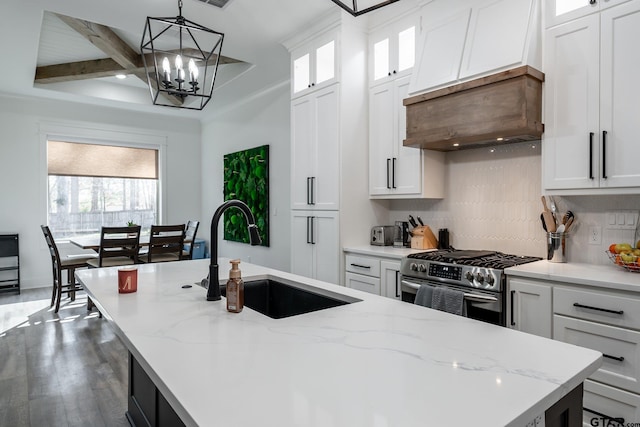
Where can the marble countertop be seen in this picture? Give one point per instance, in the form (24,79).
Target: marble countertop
(384,251)
(604,276)
(376,362)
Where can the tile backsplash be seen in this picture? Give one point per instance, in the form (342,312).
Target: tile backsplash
(493,202)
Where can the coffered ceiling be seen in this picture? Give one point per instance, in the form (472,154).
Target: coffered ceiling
(40,35)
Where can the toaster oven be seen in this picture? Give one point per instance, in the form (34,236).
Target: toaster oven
(382,235)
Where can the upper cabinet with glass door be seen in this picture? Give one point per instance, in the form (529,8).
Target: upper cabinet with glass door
(392,50)
(314,65)
(560,11)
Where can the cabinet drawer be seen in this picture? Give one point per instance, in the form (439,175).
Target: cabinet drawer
(597,306)
(620,347)
(363,265)
(608,401)
(363,283)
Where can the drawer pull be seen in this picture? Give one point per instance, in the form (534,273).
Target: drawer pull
(620,421)
(360,266)
(606,310)
(618,358)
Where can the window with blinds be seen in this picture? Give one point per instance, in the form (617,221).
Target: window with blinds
(95,185)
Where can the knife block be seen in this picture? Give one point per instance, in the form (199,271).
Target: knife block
(423,238)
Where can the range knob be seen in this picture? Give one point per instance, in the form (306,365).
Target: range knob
(469,276)
(422,268)
(491,280)
(413,266)
(480,278)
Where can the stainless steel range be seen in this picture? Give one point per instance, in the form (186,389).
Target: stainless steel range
(479,274)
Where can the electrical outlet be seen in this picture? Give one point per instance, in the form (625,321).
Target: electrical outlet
(595,235)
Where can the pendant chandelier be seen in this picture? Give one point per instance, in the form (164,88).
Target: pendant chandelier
(181,61)
(359,7)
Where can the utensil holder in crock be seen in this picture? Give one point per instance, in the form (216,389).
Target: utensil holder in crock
(557,247)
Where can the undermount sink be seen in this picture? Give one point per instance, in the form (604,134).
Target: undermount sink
(278,300)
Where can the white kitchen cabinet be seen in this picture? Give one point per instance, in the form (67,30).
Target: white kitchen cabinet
(392,50)
(529,307)
(314,239)
(363,283)
(491,36)
(314,65)
(315,150)
(591,87)
(620,348)
(605,319)
(560,11)
(396,171)
(602,400)
(488,48)
(377,275)
(390,279)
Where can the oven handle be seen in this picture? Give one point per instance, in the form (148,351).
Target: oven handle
(467,295)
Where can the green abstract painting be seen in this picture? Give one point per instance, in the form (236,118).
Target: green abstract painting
(246,178)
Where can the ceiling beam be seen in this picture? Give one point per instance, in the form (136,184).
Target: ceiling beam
(96,68)
(105,39)
(81,70)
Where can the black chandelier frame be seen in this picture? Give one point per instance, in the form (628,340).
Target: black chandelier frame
(352,6)
(174,92)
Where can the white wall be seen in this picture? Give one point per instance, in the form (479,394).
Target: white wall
(264,119)
(23,174)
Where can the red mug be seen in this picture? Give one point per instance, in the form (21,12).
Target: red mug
(127,280)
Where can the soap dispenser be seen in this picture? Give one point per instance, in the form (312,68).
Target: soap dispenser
(235,288)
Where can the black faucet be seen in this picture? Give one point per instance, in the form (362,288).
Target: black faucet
(213,291)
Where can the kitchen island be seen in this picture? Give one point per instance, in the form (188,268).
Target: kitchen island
(374,362)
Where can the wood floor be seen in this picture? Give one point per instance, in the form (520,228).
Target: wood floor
(64,369)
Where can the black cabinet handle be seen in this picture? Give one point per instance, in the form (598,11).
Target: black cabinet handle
(388,169)
(313,191)
(618,358)
(393,173)
(620,421)
(360,266)
(513,323)
(593,2)
(308,230)
(604,154)
(397,284)
(591,135)
(606,310)
(313,230)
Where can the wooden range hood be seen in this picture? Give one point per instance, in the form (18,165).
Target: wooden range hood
(477,113)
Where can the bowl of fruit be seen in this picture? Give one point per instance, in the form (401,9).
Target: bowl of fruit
(625,255)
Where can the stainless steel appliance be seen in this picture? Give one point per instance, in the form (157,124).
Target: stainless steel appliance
(402,237)
(479,274)
(382,235)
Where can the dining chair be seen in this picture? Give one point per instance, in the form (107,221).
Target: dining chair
(190,236)
(118,246)
(165,243)
(65,261)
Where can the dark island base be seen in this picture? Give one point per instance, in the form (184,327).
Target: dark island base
(148,407)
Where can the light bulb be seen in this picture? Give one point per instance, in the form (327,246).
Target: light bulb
(165,65)
(193,70)
(178,62)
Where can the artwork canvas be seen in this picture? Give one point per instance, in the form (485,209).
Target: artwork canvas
(246,178)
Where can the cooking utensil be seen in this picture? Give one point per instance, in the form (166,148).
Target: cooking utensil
(554,210)
(567,216)
(544,226)
(412,221)
(420,220)
(547,217)
(568,225)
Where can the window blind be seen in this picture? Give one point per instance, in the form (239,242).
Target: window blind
(77,159)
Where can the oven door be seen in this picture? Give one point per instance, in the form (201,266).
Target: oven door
(481,305)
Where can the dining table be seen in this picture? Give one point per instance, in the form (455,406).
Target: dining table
(93,242)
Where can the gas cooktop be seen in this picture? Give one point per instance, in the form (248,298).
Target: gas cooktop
(474,258)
